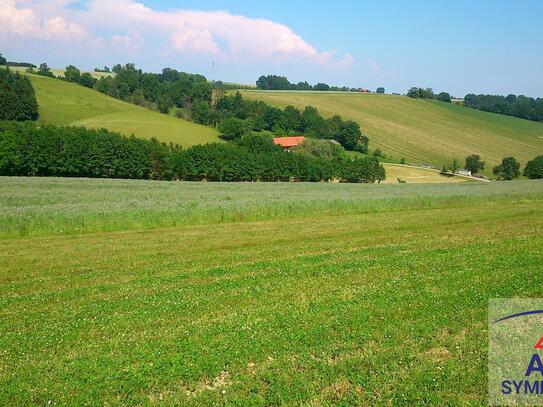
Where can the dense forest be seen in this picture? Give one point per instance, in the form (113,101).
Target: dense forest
(27,149)
(511,105)
(17,98)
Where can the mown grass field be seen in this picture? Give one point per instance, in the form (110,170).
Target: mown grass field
(46,206)
(63,103)
(395,172)
(422,131)
(305,294)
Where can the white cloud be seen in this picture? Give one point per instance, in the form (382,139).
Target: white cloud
(130,42)
(23,22)
(193,41)
(217,33)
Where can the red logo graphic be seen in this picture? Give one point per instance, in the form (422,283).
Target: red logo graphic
(539,345)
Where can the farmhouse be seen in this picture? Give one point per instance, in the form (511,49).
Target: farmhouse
(288,142)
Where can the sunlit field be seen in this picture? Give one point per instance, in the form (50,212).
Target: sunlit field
(133,292)
(65,103)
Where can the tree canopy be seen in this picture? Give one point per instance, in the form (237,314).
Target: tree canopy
(274,82)
(508,169)
(534,168)
(474,163)
(511,105)
(17,97)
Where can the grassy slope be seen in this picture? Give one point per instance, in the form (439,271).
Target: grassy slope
(423,131)
(66,103)
(353,309)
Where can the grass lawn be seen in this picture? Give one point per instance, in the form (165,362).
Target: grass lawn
(343,294)
(64,103)
(422,131)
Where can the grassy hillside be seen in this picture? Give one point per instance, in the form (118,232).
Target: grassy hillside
(422,131)
(382,304)
(66,103)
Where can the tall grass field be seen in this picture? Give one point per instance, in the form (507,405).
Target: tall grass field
(422,131)
(65,103)
(118,292)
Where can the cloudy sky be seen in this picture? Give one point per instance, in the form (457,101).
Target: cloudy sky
(458,46)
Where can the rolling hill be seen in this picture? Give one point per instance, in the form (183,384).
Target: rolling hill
(64,103)
(422,131)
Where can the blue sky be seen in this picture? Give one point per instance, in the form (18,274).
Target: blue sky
(456,46)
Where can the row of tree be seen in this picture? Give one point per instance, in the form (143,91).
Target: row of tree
(26,149)
(510,169)
(511,105)
(428,93)
(275,82)
(17,97)
(507,170)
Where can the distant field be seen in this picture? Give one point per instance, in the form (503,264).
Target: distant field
(64,103)
(417,175)
(315,294)
(60,72)
(422,131)
(97,75)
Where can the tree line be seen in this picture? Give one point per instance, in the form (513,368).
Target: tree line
(512,105)
(5,62)
(275,82)
(507,170)
(519,106)
(30,150)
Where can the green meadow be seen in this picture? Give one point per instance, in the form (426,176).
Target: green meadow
(142,292)
(64,103)
(422,131)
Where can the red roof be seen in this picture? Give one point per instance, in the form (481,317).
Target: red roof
(289,141)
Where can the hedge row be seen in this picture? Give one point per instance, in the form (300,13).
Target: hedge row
(27,149)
